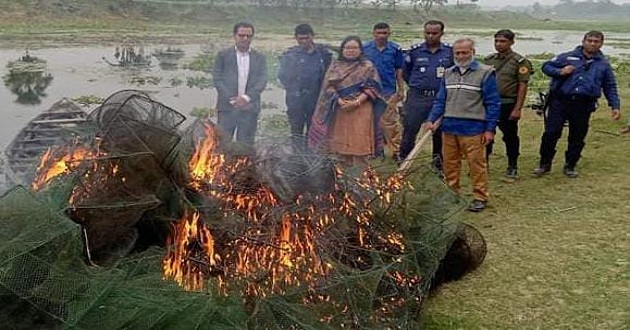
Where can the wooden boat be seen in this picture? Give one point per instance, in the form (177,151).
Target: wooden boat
(55,126)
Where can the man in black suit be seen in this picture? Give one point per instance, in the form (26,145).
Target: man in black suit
(240,76)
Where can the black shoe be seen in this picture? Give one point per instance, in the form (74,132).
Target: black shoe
(541,170)
(570,171)
(511,173)
(477,205)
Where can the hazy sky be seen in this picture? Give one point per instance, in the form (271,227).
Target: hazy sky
(503,3)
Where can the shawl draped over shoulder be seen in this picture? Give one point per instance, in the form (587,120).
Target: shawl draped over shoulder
(346,80)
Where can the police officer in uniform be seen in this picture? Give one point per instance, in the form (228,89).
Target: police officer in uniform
(578,78)
(423,71)
(301,72)
(387,56)
(513,72)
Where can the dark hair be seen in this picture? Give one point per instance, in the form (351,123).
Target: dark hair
(435,22)
(304,29)
(243,25)
(345,41)
(380,26)
(506,33)
(594,33)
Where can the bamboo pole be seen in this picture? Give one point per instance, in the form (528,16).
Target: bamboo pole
(419,143)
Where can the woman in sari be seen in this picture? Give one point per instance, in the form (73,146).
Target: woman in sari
(345,120)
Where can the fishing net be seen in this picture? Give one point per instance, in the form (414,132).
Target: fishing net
(149,225)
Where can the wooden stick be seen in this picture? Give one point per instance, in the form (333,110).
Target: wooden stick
(419,143)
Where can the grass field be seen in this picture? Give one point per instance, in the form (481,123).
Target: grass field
(559,248)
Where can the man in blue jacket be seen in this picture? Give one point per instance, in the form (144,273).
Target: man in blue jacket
(578,78)
(470,104)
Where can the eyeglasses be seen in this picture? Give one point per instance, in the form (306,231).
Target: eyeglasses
(351,47)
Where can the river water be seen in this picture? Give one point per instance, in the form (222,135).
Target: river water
(81,71)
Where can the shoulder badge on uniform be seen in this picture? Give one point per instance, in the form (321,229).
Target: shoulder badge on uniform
(415,46)
(523,70)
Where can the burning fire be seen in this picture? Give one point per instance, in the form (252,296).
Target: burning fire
(190,254)
(50,167)
(276,246)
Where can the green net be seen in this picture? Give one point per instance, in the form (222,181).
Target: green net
(282,239)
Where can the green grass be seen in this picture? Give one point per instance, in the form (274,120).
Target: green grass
(558,247)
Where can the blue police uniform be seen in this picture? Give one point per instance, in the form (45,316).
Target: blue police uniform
(423,71)
(386,62)
(301,73)
(572,99)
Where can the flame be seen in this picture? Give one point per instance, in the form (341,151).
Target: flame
(190,253)
(50,167)
(205,162)
(276,246)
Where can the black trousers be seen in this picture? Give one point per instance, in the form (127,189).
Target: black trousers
(416,111)
(300,108)
(509,128)
(577,113)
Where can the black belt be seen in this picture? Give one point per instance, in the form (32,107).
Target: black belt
(424,92)
(579,98)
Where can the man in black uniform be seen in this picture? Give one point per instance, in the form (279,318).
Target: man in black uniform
(301,72)
(513,71)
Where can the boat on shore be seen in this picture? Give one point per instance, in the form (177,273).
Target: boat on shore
(55,126)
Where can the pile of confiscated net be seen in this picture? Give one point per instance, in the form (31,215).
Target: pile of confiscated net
(140,225)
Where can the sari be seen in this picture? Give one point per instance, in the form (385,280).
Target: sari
(348,132)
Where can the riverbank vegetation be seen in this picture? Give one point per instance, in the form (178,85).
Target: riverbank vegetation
(31,23)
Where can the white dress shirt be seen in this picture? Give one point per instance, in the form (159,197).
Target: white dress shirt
(242,61)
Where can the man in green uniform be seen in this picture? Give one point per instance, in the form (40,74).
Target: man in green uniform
(513,71)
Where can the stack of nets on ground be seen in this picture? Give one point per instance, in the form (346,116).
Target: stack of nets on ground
(146,226)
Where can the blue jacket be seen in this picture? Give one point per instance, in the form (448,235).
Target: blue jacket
(590,77)
(423,69)
(470,127)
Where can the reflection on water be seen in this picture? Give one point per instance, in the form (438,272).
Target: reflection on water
(28,78)
(169,58)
